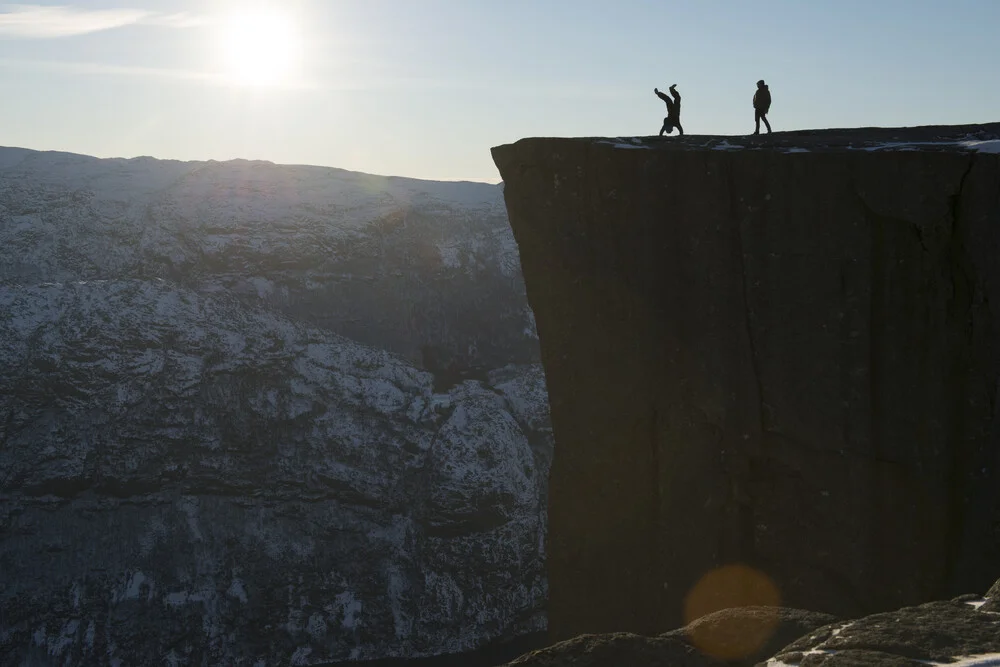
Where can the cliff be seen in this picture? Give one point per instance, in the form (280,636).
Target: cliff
(778,353)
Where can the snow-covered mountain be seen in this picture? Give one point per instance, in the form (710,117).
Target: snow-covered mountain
(428,270)
(217,442)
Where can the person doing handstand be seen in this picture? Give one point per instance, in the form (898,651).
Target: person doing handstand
(673,118)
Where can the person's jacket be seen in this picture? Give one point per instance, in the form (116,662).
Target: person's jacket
(762,99)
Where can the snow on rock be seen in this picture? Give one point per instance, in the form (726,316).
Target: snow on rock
(726,146)
(989,146)
(201,469)
(244,462)
(387,261)
(985,660)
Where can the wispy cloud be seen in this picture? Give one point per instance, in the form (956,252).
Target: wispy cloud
(98,69)
(101,68)
(47,22)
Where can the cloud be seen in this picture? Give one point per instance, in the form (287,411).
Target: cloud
(46,22)
(98,69)
(178,20)
(101,68)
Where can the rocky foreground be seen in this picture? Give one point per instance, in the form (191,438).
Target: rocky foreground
(963,631)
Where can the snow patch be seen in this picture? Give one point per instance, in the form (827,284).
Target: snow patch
(237,590)
(987,146)
(628,143)
(350,608)
(316,626)
(982,660)
(301,657)
(450,256)
(189,505)
(906,145)
(398,589)
(837,631)
(133,588)
(724,145)
(991,146)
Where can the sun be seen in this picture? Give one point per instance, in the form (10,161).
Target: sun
(259,47)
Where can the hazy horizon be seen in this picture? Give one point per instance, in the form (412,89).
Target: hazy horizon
(423,90)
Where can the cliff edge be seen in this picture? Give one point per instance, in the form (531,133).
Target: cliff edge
(777,356)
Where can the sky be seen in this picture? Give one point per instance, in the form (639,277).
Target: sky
(424,88)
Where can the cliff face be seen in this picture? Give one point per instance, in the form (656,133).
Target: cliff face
(777,353)
(196,467)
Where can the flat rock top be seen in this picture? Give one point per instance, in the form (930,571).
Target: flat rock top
(936,138)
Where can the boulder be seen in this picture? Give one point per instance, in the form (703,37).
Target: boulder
(932,633)
(737,637)
(742,636)
(616,650)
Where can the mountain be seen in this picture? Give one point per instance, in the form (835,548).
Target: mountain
(427,270)
(262,414)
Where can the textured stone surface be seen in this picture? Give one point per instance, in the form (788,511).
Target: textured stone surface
(617,649)
(743,636)
(992,601)
(777,352)
(196,472)
(737,637)
(932,633)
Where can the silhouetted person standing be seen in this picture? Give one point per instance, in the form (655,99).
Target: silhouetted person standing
(673,118)
(761,105)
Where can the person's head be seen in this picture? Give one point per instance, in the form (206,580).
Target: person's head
(760,84)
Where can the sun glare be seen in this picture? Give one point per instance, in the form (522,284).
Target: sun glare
(260,48)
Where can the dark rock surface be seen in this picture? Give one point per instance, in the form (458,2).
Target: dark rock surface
(742,636)
(738,637)
(932,633)
(616,650)
(779,352)
(195,468)
(960,631)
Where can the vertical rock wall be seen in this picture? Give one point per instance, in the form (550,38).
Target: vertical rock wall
(781,355)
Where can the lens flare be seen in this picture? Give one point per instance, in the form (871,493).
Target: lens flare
(738,635)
